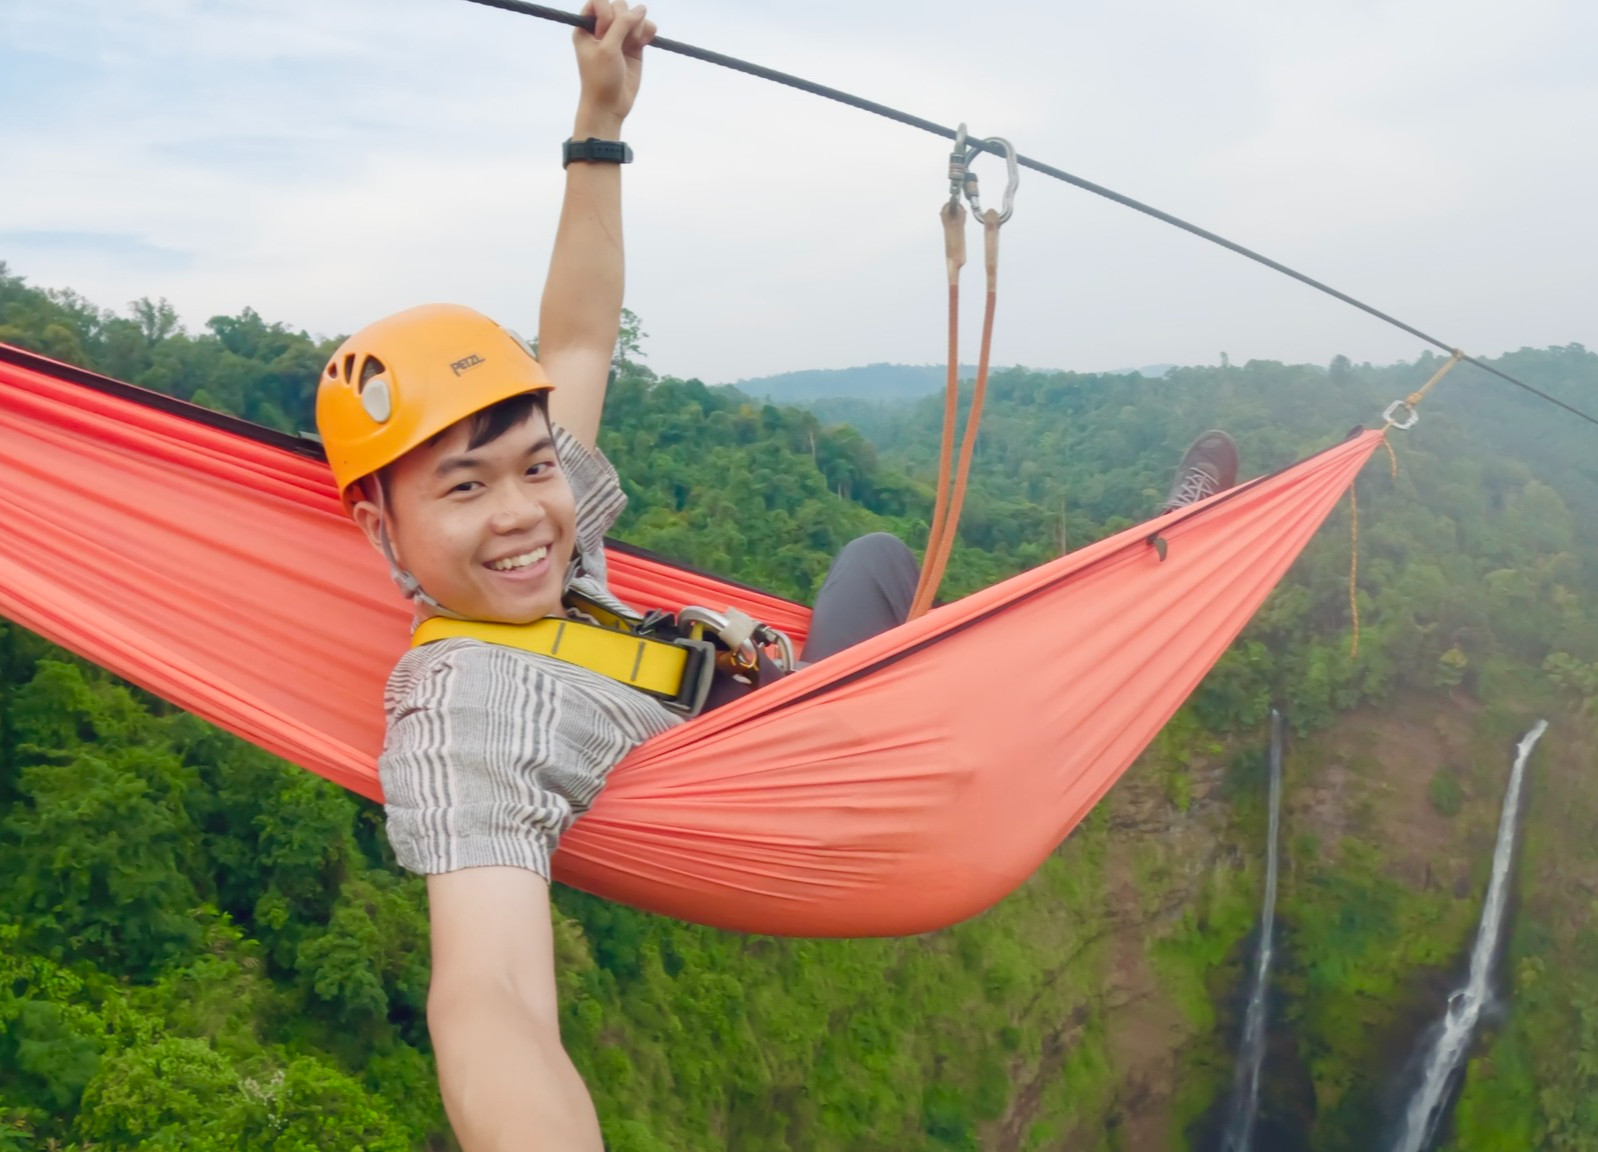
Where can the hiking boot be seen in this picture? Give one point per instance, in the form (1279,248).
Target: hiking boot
(1210,466)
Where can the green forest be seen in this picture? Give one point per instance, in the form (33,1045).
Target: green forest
(204,948)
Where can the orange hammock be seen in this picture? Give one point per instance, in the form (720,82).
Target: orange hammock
(898,787)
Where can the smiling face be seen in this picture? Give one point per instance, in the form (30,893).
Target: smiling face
(488,531)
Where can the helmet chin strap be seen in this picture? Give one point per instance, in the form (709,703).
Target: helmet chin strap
(410,587)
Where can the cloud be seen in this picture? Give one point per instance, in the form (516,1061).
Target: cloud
(85,249)
(326,163)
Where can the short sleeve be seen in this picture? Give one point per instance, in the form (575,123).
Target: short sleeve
(599,499)
(491,753)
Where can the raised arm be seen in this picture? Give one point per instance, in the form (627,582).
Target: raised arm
(507,1082)
(581,311)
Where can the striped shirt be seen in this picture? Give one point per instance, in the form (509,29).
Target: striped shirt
(492,752)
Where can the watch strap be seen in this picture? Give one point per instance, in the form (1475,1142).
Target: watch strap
(595,151)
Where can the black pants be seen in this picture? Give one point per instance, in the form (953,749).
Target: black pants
(868,590)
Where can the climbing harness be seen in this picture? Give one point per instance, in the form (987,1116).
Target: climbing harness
(739,639)
(950,496)
(674,658)
(676,672)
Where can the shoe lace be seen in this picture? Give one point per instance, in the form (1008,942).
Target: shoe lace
(1196,484)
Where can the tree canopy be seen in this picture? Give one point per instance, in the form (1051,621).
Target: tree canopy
(202,947)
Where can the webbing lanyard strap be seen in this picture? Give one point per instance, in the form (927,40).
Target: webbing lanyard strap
(676,672)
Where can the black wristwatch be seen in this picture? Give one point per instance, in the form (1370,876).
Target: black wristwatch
(595,151)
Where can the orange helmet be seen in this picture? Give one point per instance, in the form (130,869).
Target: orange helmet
(399,382)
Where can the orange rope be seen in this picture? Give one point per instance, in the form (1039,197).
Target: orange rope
(1410,402)
(1416,397)
(941,542)
(940,506)
(953,216)
(1353,569)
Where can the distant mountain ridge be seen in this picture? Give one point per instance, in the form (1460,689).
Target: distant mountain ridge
(872,382)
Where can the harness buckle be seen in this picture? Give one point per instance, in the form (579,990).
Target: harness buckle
(698,674)
(710,641)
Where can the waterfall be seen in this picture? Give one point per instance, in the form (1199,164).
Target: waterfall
(1452,1035)
(1239,1135)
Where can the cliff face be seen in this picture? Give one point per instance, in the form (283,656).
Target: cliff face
(1387,831)
(1133,1052)
(1389,824)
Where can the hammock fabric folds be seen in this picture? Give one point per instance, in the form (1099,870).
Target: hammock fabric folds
(898,787)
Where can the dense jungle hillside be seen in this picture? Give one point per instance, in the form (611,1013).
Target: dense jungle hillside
(204,948)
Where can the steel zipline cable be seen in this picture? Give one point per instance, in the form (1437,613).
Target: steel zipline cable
(677,47)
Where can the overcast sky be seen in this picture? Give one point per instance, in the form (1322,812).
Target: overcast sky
(329,161)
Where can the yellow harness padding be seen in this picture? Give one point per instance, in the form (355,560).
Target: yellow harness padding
(650,665)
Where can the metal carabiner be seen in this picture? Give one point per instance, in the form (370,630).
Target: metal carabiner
(1012,173)
(784,646)
(958,159)
(1407,407)
(742,634)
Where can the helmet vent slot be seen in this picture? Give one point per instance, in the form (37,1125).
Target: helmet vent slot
(349,368)
(370,367)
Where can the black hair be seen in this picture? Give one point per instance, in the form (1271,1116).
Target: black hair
(489,424)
